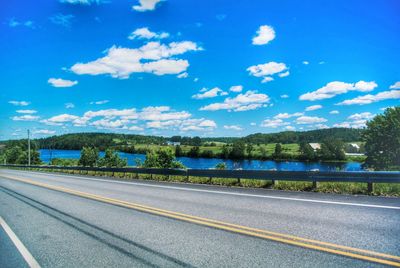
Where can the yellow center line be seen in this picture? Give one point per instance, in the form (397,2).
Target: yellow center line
(254,232)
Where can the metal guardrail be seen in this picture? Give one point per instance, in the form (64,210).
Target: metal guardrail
(368,177)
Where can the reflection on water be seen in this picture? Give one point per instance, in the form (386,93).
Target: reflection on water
(205,163)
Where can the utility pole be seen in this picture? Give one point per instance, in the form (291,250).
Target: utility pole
(29,149)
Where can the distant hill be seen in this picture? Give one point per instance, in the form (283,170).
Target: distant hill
(318,135)
(76,141)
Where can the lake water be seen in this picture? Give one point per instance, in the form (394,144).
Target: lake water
(205,163)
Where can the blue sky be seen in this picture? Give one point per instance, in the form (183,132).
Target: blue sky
(207,68)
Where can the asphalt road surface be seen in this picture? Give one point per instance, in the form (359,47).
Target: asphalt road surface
(79,221)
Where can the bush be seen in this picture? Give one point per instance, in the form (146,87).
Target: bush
(221,165)
(162,158)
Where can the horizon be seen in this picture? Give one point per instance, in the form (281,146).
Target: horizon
(178,68)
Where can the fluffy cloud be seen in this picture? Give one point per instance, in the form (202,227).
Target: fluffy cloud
(284,96)
(334,112)
(287,115)
(19,103)
(145,33)
(306,62)
(250,100)
(121,62)
(305,120)
(367,99)
(238,88)
(26,117)
(233,127)
(146,5)
(26,111)
(267,70)
(154,117)
(69,105)
(44,132)
(183,75)
(264,35)
(395,85)
(58,82)
(291,128)
(332,89)
(313,107)
(214,92)
(357,120)
(100,102)
(274,123)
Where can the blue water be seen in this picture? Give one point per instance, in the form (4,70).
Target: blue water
(205,163)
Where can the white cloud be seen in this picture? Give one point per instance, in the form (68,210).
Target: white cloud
(264,35)
(238,88)
(306,62)
(334,112)
(367,99)
(250,100)
(62,118)
(332,89)
(233,127)
(136,128)
(253,124)
(183,75)
(267,70)
(310,120)
(291,128)
(287,115)
(83,2)
(63,20)
(145,33)
(212,93)
(69,105)
(146,5)
(357,120)
(313,107)
(121,62)
(44,132)
(19,103)
(284,74)
(395,85)
(26,111)
(100,102)
(274,123)
(26,117)
(284,96)
(58,82)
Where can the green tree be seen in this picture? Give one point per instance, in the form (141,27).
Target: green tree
(220,165)
(307,152)
(112,159)
(225,151)
(178,150)
(332,149)
(238,150)
(249,149)
(278,151)
(263,151)
(194,151)
(382,140)
(89,157)
(162,158)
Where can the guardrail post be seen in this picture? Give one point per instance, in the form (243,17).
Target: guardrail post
(370,187)
(314,184)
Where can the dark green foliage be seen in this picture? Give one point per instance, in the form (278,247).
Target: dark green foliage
(178,151)
(249,150)
(162,158)
(332,149)
(238,150)
(89,157)
(382,140)
(112,159)
(278,151)
(225,152)
(194,152)
(344,134)
(207,154)
(19,155)
(307,152)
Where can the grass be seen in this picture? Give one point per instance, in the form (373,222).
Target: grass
(382,189)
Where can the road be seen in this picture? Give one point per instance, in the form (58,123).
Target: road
(79,221)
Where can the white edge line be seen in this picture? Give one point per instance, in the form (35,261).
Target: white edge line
(224,192)
(30,260)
